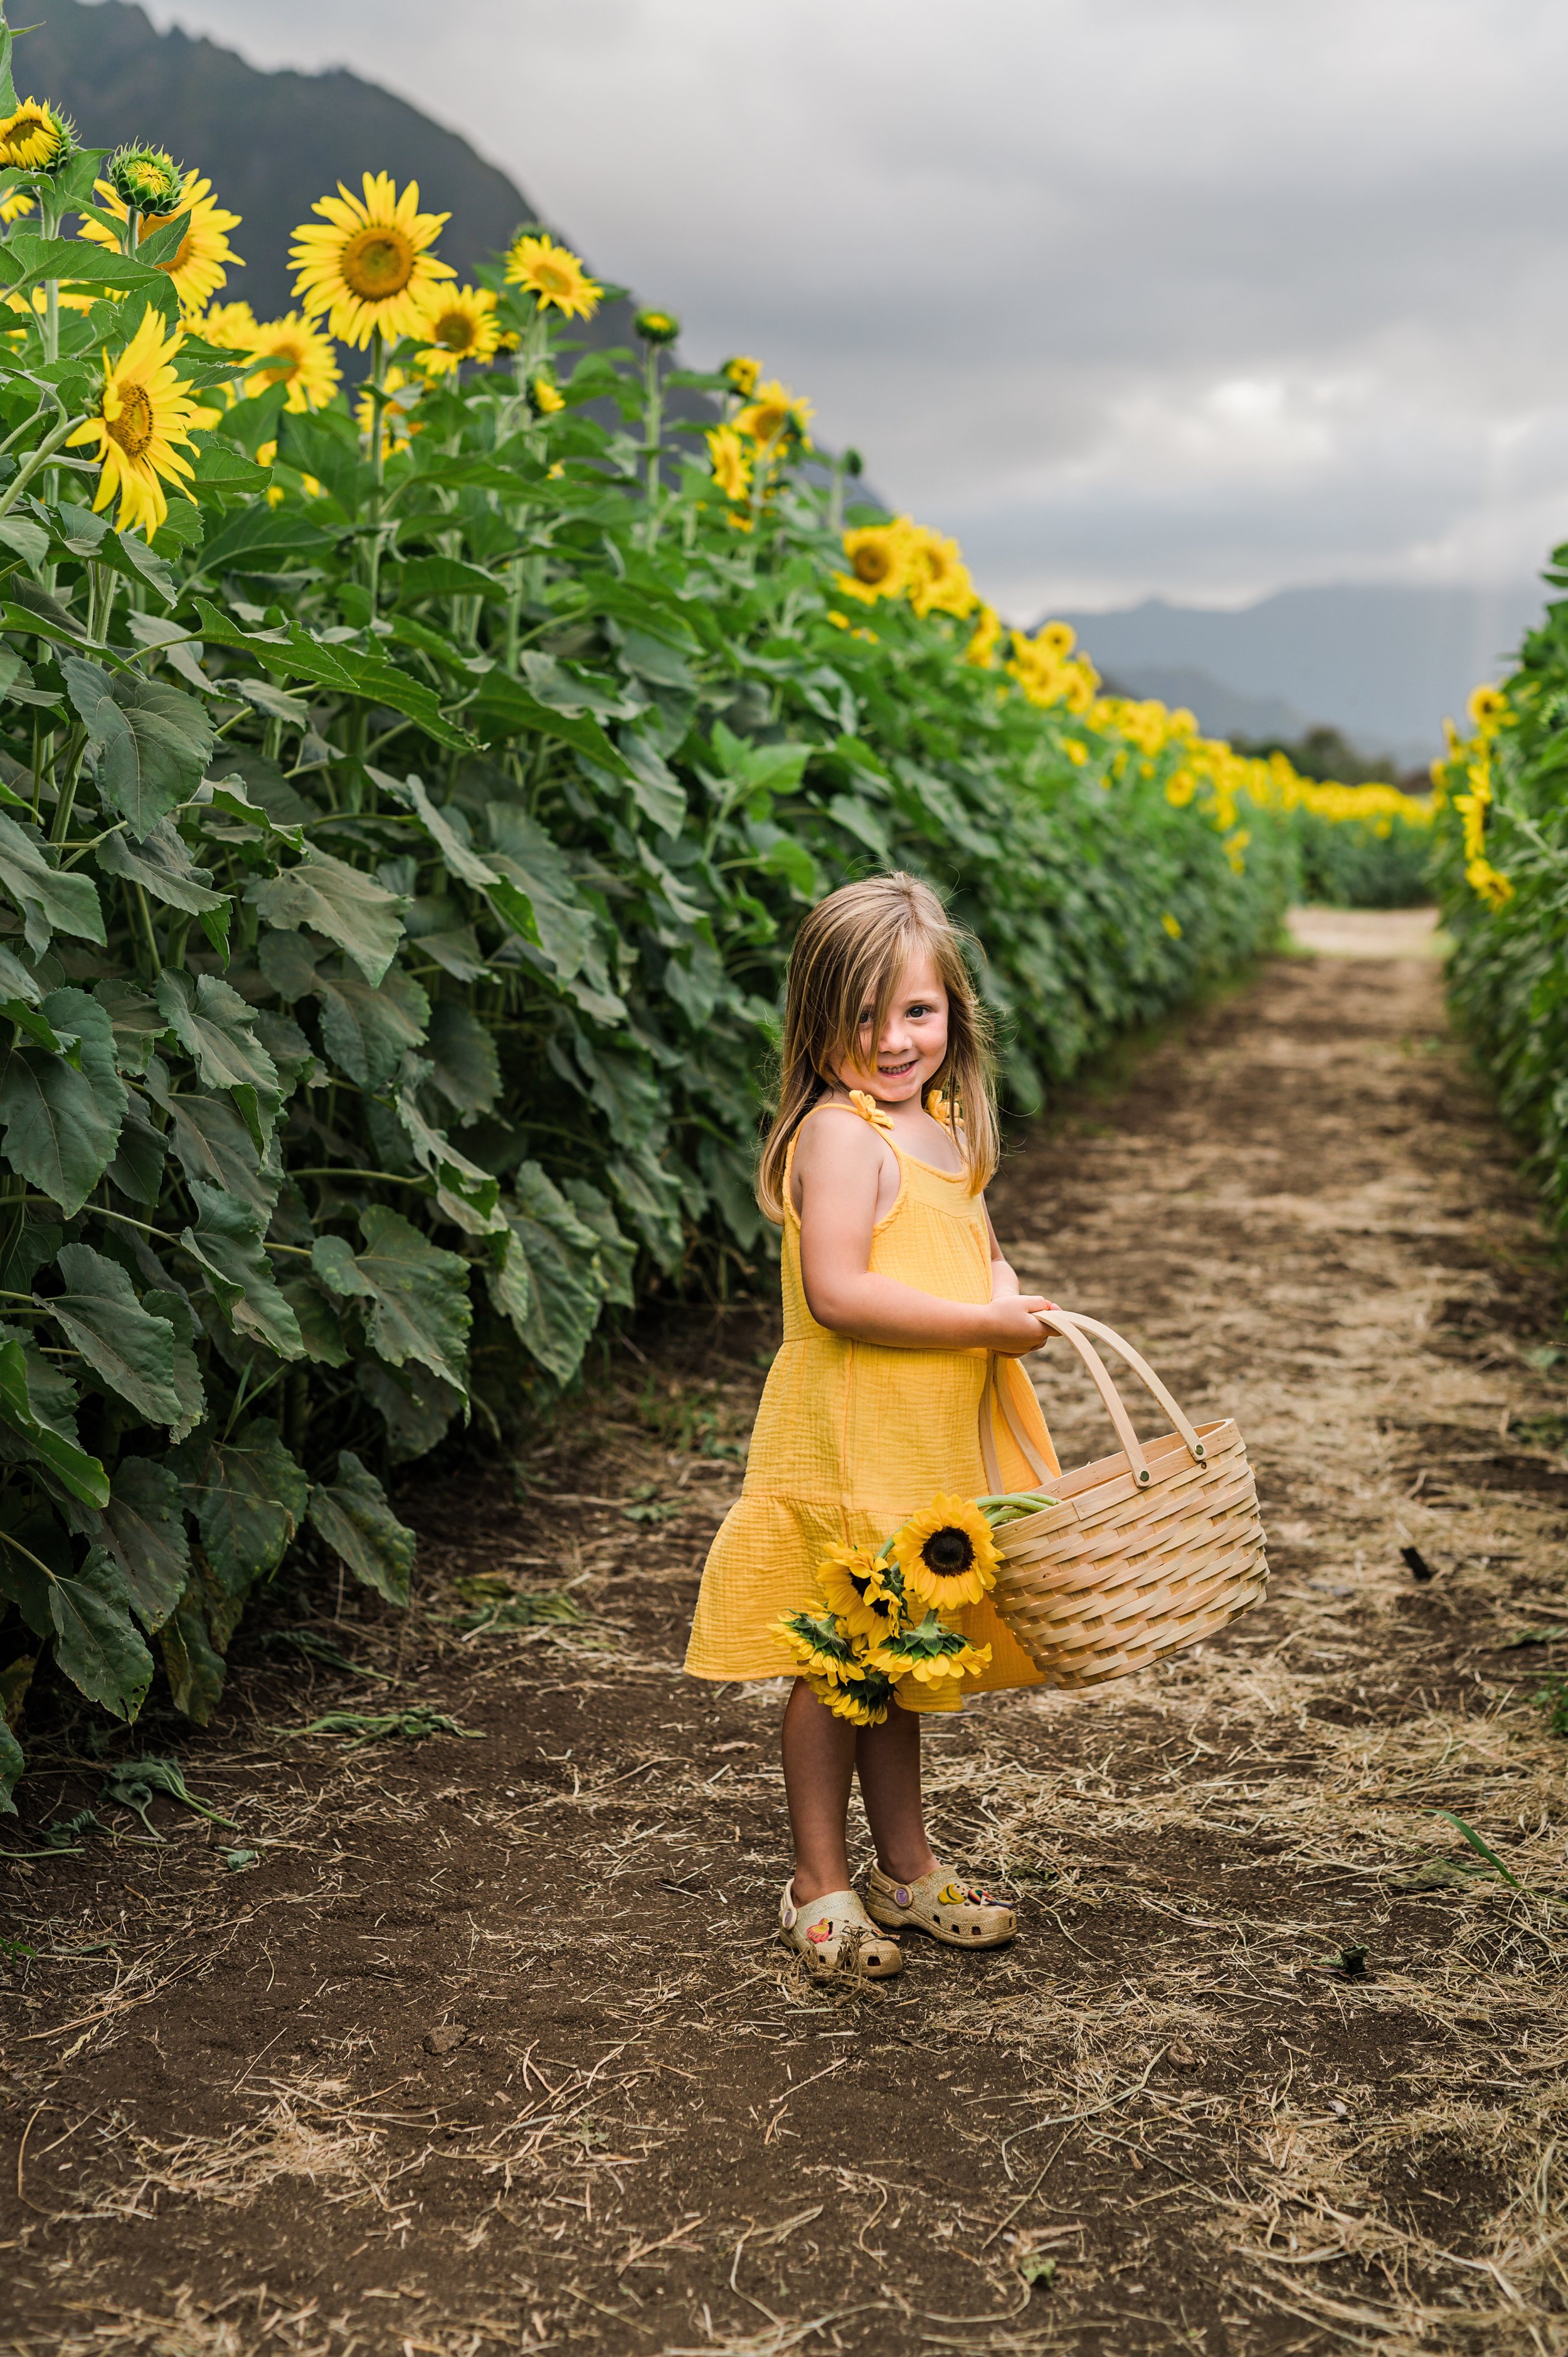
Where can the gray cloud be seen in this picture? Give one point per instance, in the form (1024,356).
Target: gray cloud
(1193,295)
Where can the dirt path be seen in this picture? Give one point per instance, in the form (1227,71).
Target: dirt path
(489,2050)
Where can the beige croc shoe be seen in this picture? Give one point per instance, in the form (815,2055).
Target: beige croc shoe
(951,1910)
(834,1934)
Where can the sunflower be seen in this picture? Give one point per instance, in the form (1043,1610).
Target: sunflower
(145,181)
(12,207)
(197,269)
(36,139)
(987,635)
(544,399)
(292,352)
(880,555)
(930,1654)
(144,409)
(230,326)
(731,468)
(741,375)
(657,326)
(1486,707)
(774,414)
(947,1554)
(852,1584)
(459,324)
(938,577)
(820,1645)
(866,1705)
(365,264)
(398,421)
(1059,638)
(551,274)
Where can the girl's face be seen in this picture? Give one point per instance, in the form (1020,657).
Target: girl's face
(902,1063)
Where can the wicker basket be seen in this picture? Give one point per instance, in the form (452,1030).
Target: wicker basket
(1144,1551)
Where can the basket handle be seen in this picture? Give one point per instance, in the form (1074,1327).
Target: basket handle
(1071,1325)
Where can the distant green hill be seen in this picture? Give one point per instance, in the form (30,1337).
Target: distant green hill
(270,142)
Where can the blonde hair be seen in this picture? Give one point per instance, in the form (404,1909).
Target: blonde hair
(847,959)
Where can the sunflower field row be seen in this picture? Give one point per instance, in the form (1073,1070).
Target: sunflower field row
(408,792)
(1502,867)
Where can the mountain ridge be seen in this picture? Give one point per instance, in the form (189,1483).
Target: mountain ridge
(1380,661)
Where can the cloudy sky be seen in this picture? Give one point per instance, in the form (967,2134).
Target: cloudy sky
(1200,297)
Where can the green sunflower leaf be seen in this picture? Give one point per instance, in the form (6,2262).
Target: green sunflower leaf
(50,900)
(70,1464)
(144,1529)
(367,1030)
(249,1498)
(154,741)
(61,1120)
(227,1245)
(417,1295)
(349,907)
(358,1525)
(97,1643)
(125,1348)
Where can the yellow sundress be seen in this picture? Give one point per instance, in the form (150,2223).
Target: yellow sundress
(852,1438)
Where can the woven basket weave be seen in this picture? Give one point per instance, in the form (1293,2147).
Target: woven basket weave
(1144,1551)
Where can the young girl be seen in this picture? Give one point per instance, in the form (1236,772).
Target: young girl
(894,1294)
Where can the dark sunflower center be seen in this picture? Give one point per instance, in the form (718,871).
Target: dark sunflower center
(133,429)
(948,1552)
(377,262)
(871,564)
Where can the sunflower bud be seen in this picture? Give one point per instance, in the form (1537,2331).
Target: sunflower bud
(36,139)
(145,179)
(853,464)
(657,326)
(543,398)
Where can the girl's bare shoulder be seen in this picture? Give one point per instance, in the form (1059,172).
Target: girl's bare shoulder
(837,1143)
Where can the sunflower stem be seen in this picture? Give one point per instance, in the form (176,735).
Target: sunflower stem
(378,459)
(654,416)
(39,457)
(61,826)
(139,900)
(835,498)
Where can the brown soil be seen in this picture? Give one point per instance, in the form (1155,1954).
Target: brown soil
(491,2048)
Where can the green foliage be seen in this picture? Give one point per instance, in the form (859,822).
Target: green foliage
(397,872)
(1362,863)
(1502,865)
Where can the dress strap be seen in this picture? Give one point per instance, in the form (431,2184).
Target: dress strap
(869,1110)
(938,1104)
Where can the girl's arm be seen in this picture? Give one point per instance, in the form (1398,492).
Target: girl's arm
(838,1165)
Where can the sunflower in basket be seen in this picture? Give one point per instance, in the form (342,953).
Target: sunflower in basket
(946,1555)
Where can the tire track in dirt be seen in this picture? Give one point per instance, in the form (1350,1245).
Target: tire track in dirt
(492,2049)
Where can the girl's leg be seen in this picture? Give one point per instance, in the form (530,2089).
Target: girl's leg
(818,1765)
(888,1760)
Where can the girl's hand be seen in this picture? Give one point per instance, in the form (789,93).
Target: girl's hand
(1013,1325)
